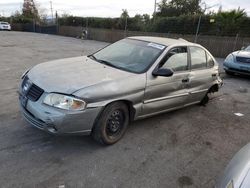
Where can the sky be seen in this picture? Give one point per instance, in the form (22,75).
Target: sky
(108,8)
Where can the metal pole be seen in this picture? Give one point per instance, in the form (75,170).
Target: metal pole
(198,28)
(155,8)
(154,12)
(235,41)
(125,29)
(51,9)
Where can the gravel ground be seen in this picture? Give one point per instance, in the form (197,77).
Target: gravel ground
(184,148)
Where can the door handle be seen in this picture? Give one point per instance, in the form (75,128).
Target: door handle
(185,80)
(213,75)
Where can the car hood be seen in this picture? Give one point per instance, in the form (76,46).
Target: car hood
(242,53)
(72,74)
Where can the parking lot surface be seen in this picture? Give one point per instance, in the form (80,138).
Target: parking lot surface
(184,148)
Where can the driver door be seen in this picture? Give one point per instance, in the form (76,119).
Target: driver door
(166,93)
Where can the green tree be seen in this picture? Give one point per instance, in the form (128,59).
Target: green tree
(29,9)
(124,14)
(170,8)
(123,21)
(229,22)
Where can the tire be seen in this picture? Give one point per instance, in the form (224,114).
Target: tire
(205,100)
(111,124)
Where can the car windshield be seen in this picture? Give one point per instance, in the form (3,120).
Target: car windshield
(247,48)
(129,55)
(4,23)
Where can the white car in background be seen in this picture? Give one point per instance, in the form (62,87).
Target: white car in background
(5,26)
(237,172)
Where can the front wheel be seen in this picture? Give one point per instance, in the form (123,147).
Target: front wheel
(112,124)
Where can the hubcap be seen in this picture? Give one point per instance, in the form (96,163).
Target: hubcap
(115,123)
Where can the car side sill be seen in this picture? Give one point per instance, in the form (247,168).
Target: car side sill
(164,111)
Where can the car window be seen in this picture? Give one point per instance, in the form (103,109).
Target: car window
(210,61)
(198,58)
(130,55)
(176,59)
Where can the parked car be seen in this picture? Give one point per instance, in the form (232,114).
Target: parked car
(5,26)
(237,172)
(238,62)
(100,94)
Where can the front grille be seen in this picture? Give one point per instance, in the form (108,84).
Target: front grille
(243,59)
(34,92)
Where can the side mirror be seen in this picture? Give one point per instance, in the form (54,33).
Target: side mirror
(243,47)
(163,72)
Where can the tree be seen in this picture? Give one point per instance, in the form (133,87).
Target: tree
(122,23)
(178,7)
(228,22)
(29,9)
(124,14)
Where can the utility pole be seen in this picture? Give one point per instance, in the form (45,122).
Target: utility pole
(154,11)
(51,8)
(199,22)
(197,29)
(155,8)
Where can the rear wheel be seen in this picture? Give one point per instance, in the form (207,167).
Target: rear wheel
(205,100)
(112,124)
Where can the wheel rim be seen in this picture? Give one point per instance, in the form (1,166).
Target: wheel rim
(115,123)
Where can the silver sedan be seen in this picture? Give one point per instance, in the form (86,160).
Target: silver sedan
(100,94)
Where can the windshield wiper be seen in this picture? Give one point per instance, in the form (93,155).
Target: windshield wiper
(92,57)
(107,63)
(102,61)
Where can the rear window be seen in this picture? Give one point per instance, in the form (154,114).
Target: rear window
(198,58)
(210,61)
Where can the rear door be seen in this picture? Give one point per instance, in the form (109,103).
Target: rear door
(202,74)
(164,93)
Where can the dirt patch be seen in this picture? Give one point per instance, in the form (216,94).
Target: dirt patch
(185,181)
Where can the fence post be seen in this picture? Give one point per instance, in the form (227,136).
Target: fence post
(198,28)
(34,25)
(235,41)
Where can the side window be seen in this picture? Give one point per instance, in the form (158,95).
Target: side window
(176,59)
(210,61)
(198,58)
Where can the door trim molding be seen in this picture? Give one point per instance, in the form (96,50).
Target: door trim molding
(164,98)
(199,91)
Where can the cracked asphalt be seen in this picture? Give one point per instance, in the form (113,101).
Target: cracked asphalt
(184,148)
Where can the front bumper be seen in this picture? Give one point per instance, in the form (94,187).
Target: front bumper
(238,68)
(6,28)
(57,121)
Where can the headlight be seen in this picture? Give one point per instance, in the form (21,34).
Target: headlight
(229,58)
(64,102)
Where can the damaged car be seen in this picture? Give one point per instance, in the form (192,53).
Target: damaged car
(100,94)
(238,62)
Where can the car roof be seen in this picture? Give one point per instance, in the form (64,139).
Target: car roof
(163,41)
